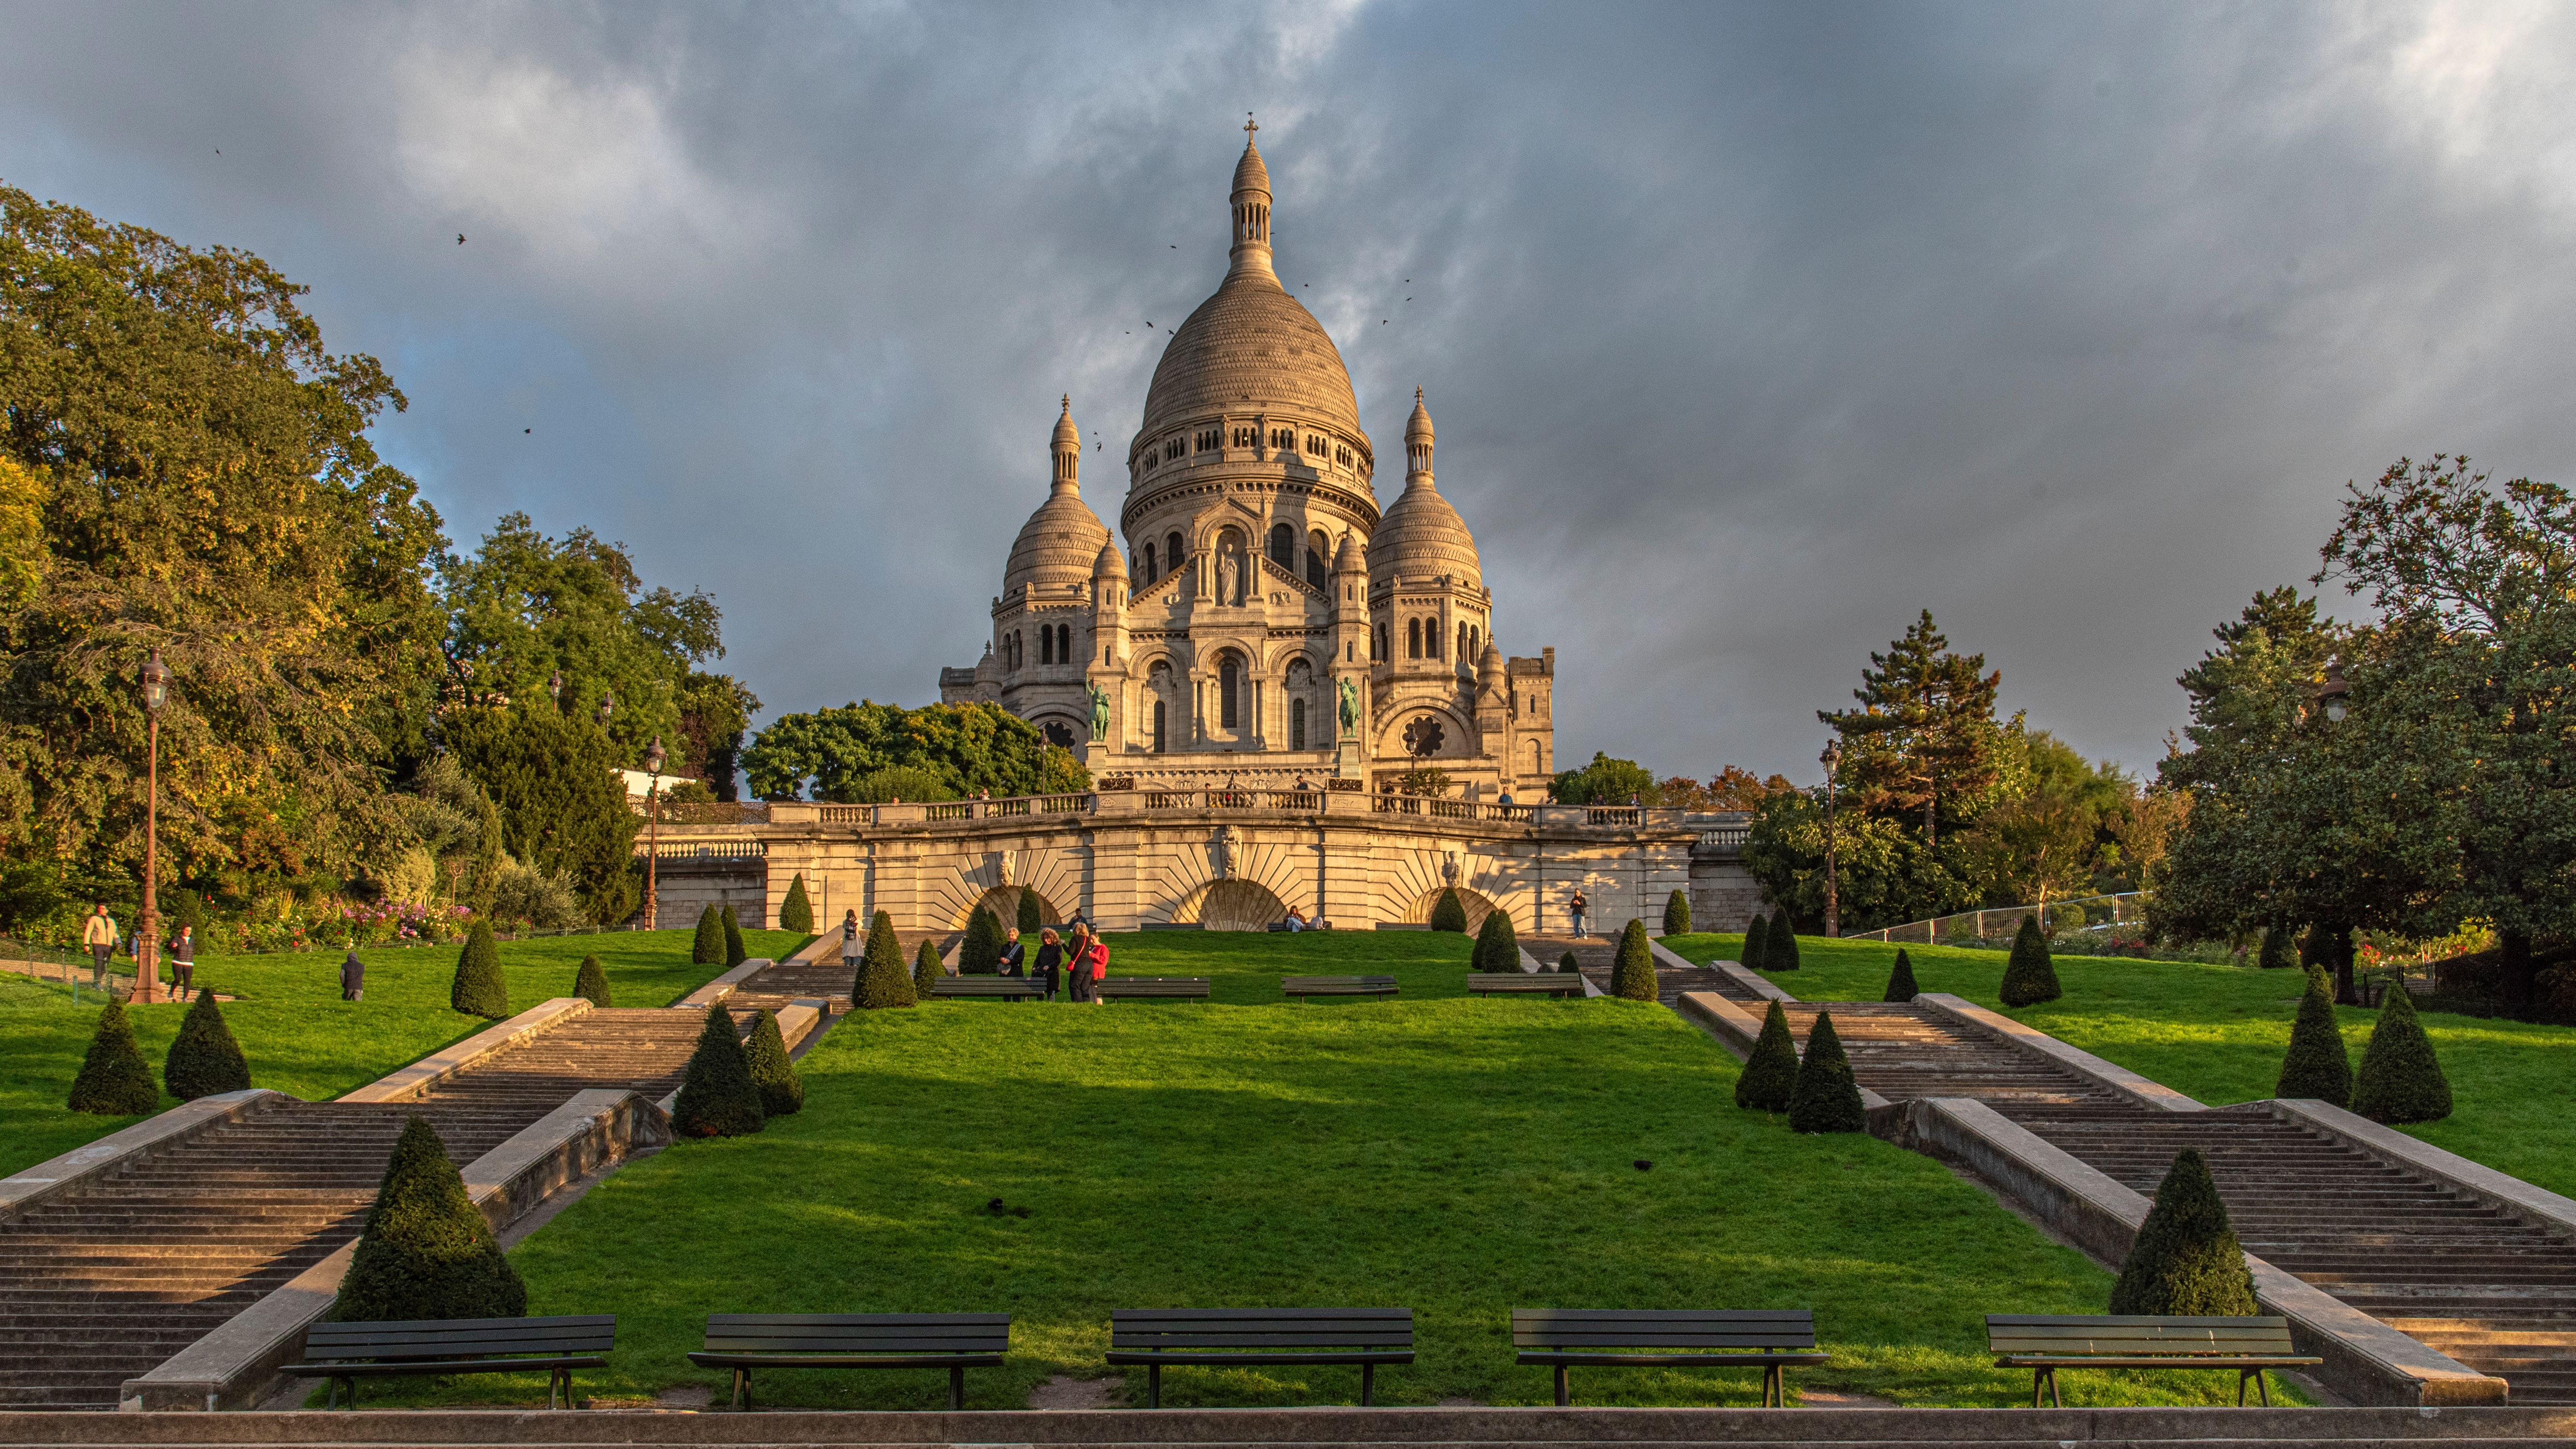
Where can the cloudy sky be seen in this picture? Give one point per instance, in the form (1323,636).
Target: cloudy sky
(1750,330)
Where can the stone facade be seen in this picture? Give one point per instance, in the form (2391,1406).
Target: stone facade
(1266,624)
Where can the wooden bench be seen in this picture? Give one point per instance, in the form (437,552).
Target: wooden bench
(997,988)
(2045,1343)
(953,1341)
(1337,985)
(1767,1339)
(1144,988)
(1236,1337)
(1487,983)
(344,1353)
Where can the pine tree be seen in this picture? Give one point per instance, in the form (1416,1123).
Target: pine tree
(2276,954)
(479,989)
(204,1059)
(1032,917)
(1677,914)
(1566,965)
(1633,976)
(927,968)
(2029,977)
(1498,948)
(1449,914)
(717,1098)
(734,954)
(981,954)
(1755,953)
(1770,1076)
(590,983)
(427,1251)
(881,981)
(114,1079)
(1900,982)
(707,947)
(1781,943)
(2317,1066)
(2400,1080)
(781,1090)
(2186,1261)
(1827,1097)
(796,913)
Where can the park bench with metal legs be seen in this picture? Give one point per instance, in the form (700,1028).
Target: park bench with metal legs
(953,1341)
(1770,1339)
(344,1353)
(1337,985)
(1487,983)
(1151,988)
(2045,1343)
(981,988)
(1250,1337)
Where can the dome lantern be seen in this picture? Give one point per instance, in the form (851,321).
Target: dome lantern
(1250,248)
(1057,547)
(1067,448)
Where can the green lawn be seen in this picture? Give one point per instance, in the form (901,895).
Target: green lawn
(1455,1156)
(2219,1033)
(300,1037)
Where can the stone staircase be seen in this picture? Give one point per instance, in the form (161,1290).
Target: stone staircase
(824,977)
(100,1284)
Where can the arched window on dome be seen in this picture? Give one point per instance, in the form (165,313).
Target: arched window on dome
(1431,637)
(1064,643)
(1283,546)
(1046,644)
(1413,638)
(1172,554)
(1296,724)
(1466,647)
(1150,572)
(1377,643)
(1229,687)
(1317,546)
(1159,739)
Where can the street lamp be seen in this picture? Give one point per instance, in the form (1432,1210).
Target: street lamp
(147,935)
(653,839)
(2335,695)
(607,706)
(1832,760)
(554,687)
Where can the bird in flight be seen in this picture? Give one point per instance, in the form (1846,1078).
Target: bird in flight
(527,430)
(460,238)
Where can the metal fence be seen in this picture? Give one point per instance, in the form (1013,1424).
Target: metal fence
(1995,925)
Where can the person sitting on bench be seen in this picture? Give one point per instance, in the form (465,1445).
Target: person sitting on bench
(1296,919)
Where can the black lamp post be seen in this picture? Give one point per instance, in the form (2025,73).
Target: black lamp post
(653,836)
(1832,759)
(554,687)
(147,934)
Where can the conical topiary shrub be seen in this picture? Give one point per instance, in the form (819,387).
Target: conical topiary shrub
(707,947)
(881,981)
(1031,917)
(114,1079)
(1632,975)
(717,1098)
(772,1074)
(204,1059)
(796,913)
(1755,953)
(1677,914)
(1566,965)
(479,989)
(2400,1079)
(734,954)
(1448,913)
(2317,1066)
(2277,954)
(1900,982)
(1498,947)
(1780,943)
(2029,977)
(2186,1261)
(1827,1098)
(590,983)
(427,1251)
(981,953)
(927,968)
(1770,1076)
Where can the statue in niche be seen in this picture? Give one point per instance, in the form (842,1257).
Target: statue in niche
(1225,852)
(1228,585)
(1099,713)
(1350,706)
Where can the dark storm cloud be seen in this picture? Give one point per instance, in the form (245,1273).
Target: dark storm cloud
(1749,331)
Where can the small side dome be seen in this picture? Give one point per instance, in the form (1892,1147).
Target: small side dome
(1111,564)
(1347,559)
(1489,665)
(1421,536)
(1059,545)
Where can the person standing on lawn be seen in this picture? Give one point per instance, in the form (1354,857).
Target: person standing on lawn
(353,977)
(1015,957)
(98,933)
(1050,961)
(183,960)
(849,940)
(1078,965)
(1091,965)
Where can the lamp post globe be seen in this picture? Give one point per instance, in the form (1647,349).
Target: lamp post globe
(653,758)
(147,925)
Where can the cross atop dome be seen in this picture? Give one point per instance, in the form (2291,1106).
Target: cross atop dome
(1249,126)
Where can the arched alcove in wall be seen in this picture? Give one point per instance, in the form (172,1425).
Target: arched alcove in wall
(1231,905)
(1004,903)
(1478,904)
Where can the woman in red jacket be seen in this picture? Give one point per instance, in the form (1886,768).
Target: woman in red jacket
(1089,964)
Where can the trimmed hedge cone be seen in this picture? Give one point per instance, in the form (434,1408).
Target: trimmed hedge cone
(590,983)
(1498,946)
(1900,982)
(426,1251)
(479,989)
(1448,913)
(1030,917)
(717,1098)
(1633,977)
(114,1079)
(1566,965)
(707,947)
(927,968)
(204,1059)
(981,955)
(880,981)
(1780,943)
(1677,914)
(1827,1097)
(2317,1066)
(734,954)
(2029,976)
(772,1074)
(2401,1080)
(1755,953)
(2186,1261)
(1770,1077)
(796,913)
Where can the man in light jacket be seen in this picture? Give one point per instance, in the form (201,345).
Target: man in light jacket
(98,933)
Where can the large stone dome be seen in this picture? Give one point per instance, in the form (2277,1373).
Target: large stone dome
(1057,547)
(1421,536)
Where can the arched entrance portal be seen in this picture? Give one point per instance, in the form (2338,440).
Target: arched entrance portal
(1231,905)
(1478,904)
(1004,903)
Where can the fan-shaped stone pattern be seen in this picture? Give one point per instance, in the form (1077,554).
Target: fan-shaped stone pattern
(1251,347)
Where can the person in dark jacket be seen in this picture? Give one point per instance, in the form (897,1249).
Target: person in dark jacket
(353,977)
(1015,956)
(183,961)
(1050,961)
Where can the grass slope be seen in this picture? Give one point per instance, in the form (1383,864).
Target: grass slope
(2219,1033)
(1456,1156)
(300,1037)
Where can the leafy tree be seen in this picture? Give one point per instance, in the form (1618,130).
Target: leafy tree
(1885,871)
(590,983)
(479,988)
(715,712)
(707,947)
(114,1079)
(717,1097)
(2400,1080)
(2029,976)
(563,807)
(1729,789)
(782,1091)
(1770,1077)
(1925,733)
(734,954)
(1031,917)
(1498,947)
(1449,913)
(1427,781)
(1607,782)
(427,1251)
(927,968)
(1900,982)
(1780,943)
(1633,974)
(981,954)
(796,913)
(951,750)
(204,1059)
(1677,914)
(1827,1097)
(881,981)
(2185,1261)
(1755,951)
(2046,838)
(2276,954)
(2317,1065)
